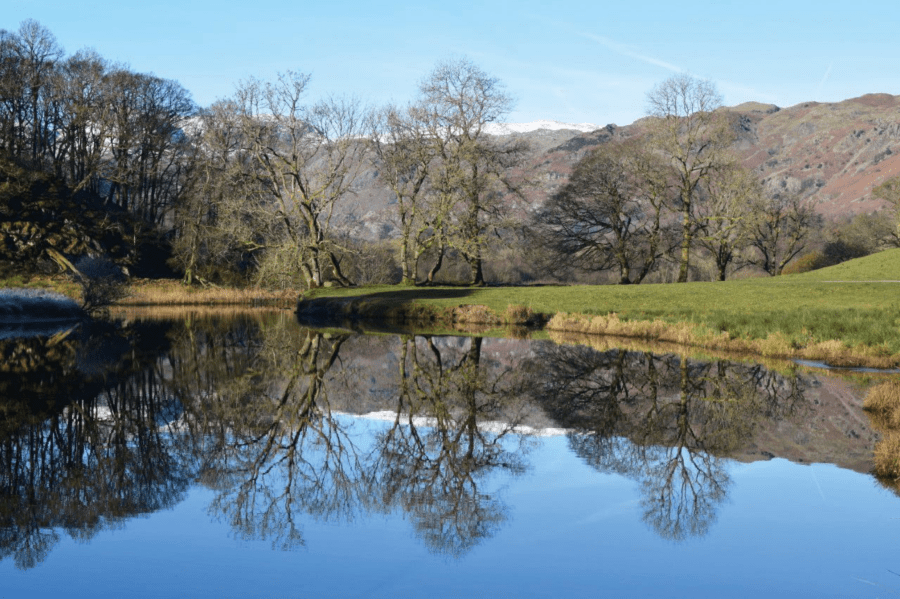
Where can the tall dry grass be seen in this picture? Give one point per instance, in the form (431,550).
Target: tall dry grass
(883,403)
(776,344)
(174,293)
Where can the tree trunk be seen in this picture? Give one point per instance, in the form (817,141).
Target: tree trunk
(685,242)
(336,270)
(437,266)
(406,278)
(477,271)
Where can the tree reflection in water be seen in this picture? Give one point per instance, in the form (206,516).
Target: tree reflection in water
(273,447)
(99,428)
(264,431)
(83,442)
(664,420)
(435,472)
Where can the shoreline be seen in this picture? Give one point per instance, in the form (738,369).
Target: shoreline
(769,319)
(566,326)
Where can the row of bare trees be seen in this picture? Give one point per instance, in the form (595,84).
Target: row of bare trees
(255,183)
(97,125)
(272,169)
(671,191)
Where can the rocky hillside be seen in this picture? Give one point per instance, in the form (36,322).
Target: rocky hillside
(833,154)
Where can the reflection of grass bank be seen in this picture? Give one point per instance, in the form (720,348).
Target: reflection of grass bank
(801,316)
(604,343)
(883,403)
(61,284)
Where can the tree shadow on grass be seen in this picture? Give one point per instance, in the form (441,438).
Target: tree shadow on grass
(396,306)
(411,294)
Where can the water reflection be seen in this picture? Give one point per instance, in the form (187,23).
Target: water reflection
(435,472)
(82,439)
(665,421)
(275,448)
(100,426)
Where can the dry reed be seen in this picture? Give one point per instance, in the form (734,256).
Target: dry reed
(173,293)
(883,404)
(774,345)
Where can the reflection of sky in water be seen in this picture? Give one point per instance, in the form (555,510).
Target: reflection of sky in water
(631,495)
(784,530)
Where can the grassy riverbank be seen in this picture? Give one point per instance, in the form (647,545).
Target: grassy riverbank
(163,292)
(847,314)
(883,404)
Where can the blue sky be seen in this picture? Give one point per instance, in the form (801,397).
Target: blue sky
(569,61)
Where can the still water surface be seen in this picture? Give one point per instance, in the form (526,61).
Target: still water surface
(247,456)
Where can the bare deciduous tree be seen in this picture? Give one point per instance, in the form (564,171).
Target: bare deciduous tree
(890,192)
(609,216)
(147,145)
(459,101)
(780,231)
(726,214)
(218,222)
(308,158)
(405,154)
(689,130)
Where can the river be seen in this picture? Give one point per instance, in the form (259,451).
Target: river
(204,454)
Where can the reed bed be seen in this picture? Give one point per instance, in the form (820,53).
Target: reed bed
(883,404)
(174,293)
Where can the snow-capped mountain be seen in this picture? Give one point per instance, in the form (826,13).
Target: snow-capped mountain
(511,128)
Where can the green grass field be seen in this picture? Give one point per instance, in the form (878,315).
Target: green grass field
(806,308)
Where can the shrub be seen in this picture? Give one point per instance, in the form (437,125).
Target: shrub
(884,401)
(518,314)
(102,282)
(807,262)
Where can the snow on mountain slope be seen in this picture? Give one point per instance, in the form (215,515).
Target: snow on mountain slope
(510,128)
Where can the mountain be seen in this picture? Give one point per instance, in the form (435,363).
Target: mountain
(833,154)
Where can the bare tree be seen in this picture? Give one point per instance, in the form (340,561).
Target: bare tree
(459,101)
(890,192)
(28,65)
(405,153)
(308,158)
(689,130)
(82,93)
(780,231)
(609,216)
(37,52)
(726,214)
(147,142)
(218,223)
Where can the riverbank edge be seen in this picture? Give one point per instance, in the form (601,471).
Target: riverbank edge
(776,345)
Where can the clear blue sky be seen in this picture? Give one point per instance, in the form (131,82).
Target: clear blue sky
(570,61)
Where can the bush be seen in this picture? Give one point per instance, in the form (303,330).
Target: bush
(102,282)
(372,263)
(883,402)
(807,262)
(834,252)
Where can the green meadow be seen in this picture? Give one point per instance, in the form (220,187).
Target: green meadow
(856,303)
